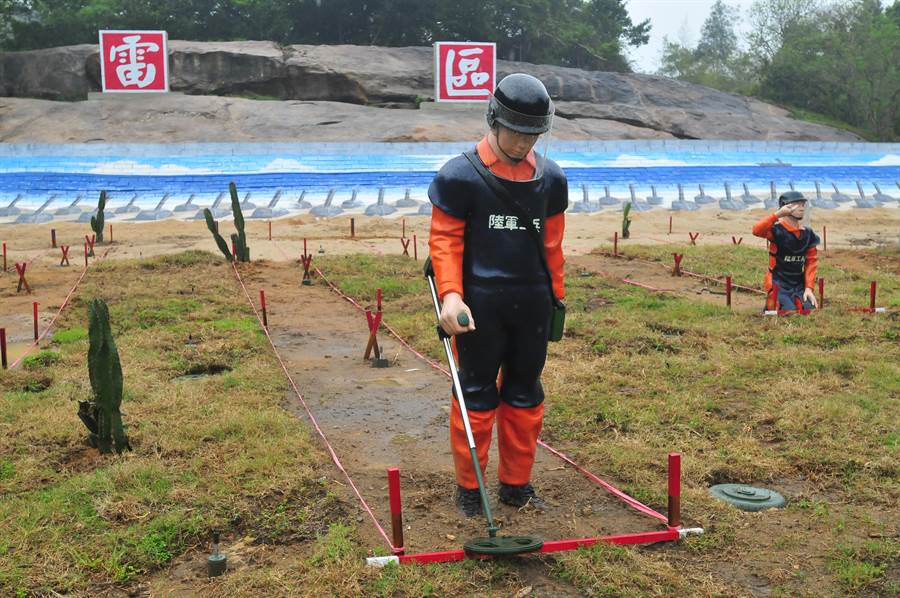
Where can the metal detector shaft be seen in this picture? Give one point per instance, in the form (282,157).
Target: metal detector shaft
(457,387)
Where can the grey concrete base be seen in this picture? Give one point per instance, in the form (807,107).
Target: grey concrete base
(425,209)
(771,204)
(380,210)
(608,201)
(217,214)
(823,204)
(150,215)
(704,199)
(7,212)
(749,199)
(841,197)
(68,211)
(866,203)
(731,205)
(326,211)
(654,200)
(185,207)
(684,206)
(246,206)
(303,205)
(584,207)
(639,206)
(351,204)
(86,216)
(40,218)
(127,210)
(267,213)
(406,203)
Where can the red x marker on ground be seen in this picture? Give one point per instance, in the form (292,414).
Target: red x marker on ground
(736,241)
(676,271)
(65,255)
(405,243)
(693,237)
(20,268)
(374,320)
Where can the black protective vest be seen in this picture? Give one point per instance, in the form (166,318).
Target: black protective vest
(790,254)
(498,248)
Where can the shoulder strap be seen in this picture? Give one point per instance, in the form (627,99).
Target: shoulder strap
(506,197)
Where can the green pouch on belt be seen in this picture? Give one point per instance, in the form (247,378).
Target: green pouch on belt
(557,321)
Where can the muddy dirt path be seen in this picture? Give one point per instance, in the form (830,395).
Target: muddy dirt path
(660,277)
(378,418)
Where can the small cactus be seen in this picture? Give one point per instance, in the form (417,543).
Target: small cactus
(626,221)
(102,415)
(240,240)
(97,221)
(214,229)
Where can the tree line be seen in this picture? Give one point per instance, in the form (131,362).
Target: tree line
(590,34)
(835,62)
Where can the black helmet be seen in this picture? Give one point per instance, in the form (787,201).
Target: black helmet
(521,103)
(790,197)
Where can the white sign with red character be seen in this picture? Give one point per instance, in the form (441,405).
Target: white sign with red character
(134,61)
(464,71)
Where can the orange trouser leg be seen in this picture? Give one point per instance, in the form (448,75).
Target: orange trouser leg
(482,423)
(517,433)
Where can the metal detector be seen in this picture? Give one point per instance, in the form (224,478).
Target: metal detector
(493,544)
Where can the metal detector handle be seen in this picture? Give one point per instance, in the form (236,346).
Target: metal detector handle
(457,389)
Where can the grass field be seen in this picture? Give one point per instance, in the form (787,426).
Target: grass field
(808,406)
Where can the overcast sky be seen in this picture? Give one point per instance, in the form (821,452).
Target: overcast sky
(668,17)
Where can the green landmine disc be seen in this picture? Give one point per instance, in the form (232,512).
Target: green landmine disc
(462,318)
(748,498)
(503,545)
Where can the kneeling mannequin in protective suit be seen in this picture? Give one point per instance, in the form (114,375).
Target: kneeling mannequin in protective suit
(488,263)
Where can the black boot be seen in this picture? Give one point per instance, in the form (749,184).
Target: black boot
(521,496)
(468,501)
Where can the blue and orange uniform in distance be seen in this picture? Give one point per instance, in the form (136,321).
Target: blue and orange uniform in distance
(793,260)
(479,251)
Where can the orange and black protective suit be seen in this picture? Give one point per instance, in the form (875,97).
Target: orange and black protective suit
(479,250)
(792,262)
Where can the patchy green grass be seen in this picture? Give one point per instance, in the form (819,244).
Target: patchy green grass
(809,404)
(844,286)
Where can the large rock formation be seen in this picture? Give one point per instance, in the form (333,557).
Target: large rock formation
(595,104)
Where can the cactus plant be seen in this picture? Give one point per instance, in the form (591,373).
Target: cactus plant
(626,221)
(214,229)
(240,240)
(102,416)
(97,221)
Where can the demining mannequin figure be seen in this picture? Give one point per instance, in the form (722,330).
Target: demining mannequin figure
(792,255)
(486,248)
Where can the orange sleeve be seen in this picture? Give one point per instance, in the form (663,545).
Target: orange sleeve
(554,228)
(446,247)
(812,263)
(763,228)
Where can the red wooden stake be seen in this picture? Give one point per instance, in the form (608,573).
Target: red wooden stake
(735,241)
(110,234)
(396,508)
(304,246)
(353,228)
(405,243)
(824,238)
(378,298)
(674,489)
(728,291)
(34,308)
(676,271)
(4,256)
(775,295)
(670,225)
(65,255)
(85,256)
(270,230)
(262,303)
(89,242)
(53,238)
(616,244)
(404,229)
(872,289)
(20,268)
(821,293)
(693,237)
(415,249)
(3,361)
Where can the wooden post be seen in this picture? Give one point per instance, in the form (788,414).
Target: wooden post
(404,229)
(616,244)
(110,233)
(824,238)
(821,293)
(728,291)
(396,508)
(353,228)
(4,256)
(670,225)
(262,303)
(674,490)
(3,361)
(872,289)
(270,230)
(53,238)
(415,249)
(34,308)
